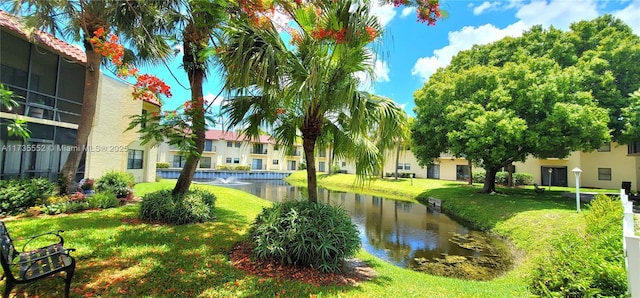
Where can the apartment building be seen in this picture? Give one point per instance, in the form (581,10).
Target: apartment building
(47,74)
(227,150)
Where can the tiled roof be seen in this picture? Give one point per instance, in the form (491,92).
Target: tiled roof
(57,45)
(216,134)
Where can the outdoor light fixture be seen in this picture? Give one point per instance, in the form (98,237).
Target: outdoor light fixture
(577,172)
(550,170)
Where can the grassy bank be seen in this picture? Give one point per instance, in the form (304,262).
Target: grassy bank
(119,256)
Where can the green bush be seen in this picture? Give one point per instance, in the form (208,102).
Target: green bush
(502,178)
(103,200)
(223,167)
(16,196)
(195,206)
(162,165)
(302,166)
(305,233)
(242,168)
(585,262)
(113,180)
(478,177)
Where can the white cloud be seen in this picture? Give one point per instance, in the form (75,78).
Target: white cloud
(558,13)
(461,40)
(209,98)
(630,15)
(485,6)
(407,11)
(381,71)
(385,13)
(178,49)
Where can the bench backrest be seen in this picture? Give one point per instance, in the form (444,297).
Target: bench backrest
(7,250)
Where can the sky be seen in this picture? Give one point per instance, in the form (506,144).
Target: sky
(411,51)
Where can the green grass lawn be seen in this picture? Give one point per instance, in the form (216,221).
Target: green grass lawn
(121,257)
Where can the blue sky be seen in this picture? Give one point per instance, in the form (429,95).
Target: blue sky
(413,50)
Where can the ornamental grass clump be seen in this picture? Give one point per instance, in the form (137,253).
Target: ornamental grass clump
(193,207)
(587,262)
(303,233)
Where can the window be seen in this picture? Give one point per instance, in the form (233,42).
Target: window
(228,160)
(322,153)
(238,144)
(400,166)
(344,163)
(205,162)
(604,174)
(605,148)
(229,144)
(134,159)
(275,161)
(407,166)
(634,148)
(236,160)
(178,161)
(143,121)
(276,147)
(208,145)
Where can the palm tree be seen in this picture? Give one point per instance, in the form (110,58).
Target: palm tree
(78,20)
(309,88)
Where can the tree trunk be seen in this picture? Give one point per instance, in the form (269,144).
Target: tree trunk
(311,129)
(196,78)
(510,177)
(87,114)
(490,181)
(397,158)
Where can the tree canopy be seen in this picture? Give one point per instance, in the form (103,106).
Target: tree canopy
(545,94)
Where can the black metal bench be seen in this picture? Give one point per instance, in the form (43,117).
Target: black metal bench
(537,188)
(36,264)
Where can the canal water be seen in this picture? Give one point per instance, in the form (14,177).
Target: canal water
(406,234)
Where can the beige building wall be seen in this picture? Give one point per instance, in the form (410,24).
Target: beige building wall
(108,143)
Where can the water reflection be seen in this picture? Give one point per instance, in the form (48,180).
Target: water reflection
(395,231)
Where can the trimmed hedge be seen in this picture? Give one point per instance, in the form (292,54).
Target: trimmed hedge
(502,178)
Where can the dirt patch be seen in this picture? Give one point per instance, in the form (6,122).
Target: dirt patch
(355,271)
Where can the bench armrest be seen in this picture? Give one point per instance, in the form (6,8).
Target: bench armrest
(55,233)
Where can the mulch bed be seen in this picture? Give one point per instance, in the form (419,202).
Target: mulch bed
(356,271)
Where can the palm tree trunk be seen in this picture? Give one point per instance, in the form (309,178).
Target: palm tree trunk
(311,129)
(196,78)
(87,114)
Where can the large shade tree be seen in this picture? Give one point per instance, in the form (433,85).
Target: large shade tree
(137,22)
(544,94)
(310,87)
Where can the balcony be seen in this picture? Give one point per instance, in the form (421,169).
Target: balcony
(259,151)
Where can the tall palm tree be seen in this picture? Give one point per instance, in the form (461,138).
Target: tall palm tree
(309,88)
(79,20)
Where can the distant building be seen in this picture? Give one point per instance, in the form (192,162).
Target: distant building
(48,76)
(226,150)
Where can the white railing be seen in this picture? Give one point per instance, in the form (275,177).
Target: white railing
(631,247)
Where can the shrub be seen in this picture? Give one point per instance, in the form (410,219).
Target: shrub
(195,206)
(479,177)
(16,196)
(502,178)
(522,178)
(585,262)
(305,233)
(103,200)
(223,167)
(113,180)
(302,166)
(242,168)
(162,165)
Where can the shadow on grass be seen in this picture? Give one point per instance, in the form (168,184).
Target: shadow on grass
(119,256)
(468,204)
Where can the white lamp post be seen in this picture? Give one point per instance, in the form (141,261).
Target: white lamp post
(577,172)
(550,170)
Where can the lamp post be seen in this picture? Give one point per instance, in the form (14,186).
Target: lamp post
(577,172)
(550,170)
